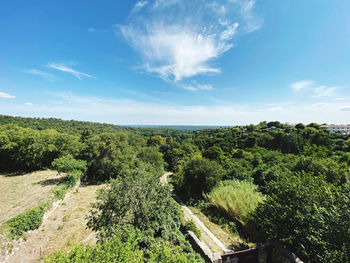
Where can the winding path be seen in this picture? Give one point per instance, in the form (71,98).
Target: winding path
(189,215)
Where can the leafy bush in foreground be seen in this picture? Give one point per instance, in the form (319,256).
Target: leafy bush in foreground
(309,216)
(125,249)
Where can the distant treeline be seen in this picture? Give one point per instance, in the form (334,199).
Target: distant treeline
(81,127)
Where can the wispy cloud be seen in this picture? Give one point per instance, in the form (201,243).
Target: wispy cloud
(273,109)
(252,21)
(4,95)
(302,85)
(40,73)
(64,68)
(319,105)
(324,91)
(29,104)
(194,86)
(139,5)
(180,39)
(315,90)
(346,108)
(91,29)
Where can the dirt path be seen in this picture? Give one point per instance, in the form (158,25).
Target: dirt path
(190,216)
(64,227)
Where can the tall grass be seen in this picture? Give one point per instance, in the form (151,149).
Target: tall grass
(237,199)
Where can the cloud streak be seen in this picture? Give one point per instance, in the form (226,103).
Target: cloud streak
(64,68)
(315,90)
(4,95)
(40,73)
(180,39)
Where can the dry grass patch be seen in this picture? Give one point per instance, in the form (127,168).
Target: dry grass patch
(64,228)
(20,192)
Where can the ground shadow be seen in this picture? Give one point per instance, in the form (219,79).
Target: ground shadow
(13,174)
(52,181)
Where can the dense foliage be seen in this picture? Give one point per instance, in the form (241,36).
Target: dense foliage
(302,171)
(125,249)
(309,215)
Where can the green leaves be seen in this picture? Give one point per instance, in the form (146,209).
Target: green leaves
(308,215)
(28,220)
(67,163)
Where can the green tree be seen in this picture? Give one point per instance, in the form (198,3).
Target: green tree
(109,155)
(303,212)
(199,175)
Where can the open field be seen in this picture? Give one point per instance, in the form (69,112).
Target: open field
(20,192)
(65,227)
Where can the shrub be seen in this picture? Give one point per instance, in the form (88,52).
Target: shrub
(237,199)
(125,249)
(198,175)
(191,226)
(28,220)
(68,163)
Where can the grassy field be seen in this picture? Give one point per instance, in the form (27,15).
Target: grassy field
(65,227)
(20,192)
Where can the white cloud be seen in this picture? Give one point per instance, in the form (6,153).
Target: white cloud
(346,108)
(319,105)
(28,104)
(64,68)
(40,73)
(252,21)
(316,91)
(275,109)
(4,95)
(194,86)
(180,39)
(140,4)
(324,91)
(176,52)
(302,85)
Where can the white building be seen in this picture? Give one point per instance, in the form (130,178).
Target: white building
(342,129)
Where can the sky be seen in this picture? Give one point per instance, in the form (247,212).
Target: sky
(179,62)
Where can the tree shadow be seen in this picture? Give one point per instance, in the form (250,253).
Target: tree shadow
(13,174)
(52,181)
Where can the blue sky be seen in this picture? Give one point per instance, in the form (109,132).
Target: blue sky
(199,62)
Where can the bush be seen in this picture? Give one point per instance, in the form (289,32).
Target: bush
(68,163)
(191,226)
(28,220)
(198,176)
(237,199)
(127,249)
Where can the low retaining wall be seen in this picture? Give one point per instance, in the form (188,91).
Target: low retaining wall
(203,249)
